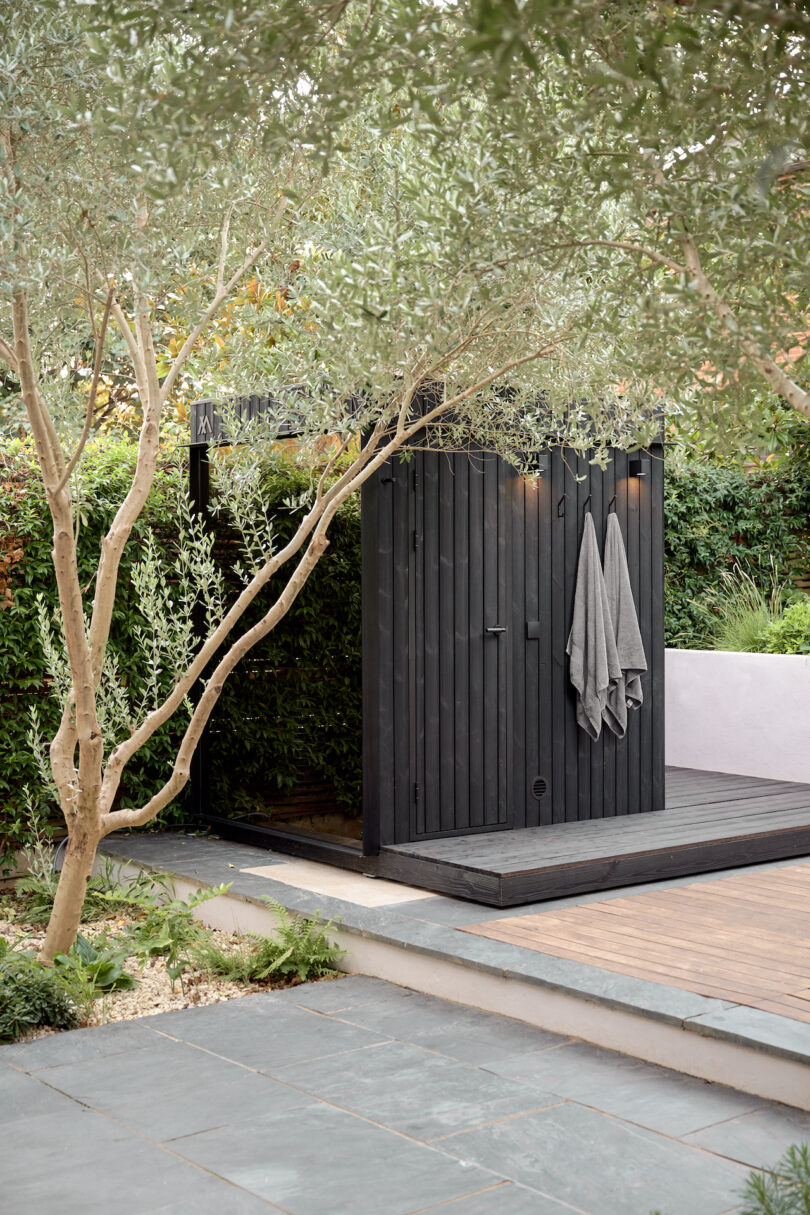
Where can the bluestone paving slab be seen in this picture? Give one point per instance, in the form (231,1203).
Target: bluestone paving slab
(655,1000)
(462,1033)
(263,1032)
(601,1165)
(323,1161)
(56,1050)
(24,1096)
(651,1096)
(127,1181)
(173,1089)
(759,1139)
(412,1090)
(754,1027)
(207,1195)
(82,1163)
(337,995)
(504,1199)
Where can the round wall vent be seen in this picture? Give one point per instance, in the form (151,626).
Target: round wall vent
(539,787)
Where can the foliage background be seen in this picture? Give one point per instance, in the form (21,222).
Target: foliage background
(720,515)
(296,703)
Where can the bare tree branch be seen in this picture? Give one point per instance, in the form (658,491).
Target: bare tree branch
(91,399)
(8,356)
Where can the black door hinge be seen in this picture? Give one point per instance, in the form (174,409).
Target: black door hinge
(417,792)
(417,540)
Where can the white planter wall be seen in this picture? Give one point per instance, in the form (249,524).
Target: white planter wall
(745,713)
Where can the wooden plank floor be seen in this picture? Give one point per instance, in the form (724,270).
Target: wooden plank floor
(712,821)
(744,938)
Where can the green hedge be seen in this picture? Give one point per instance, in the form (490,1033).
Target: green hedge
(718,516)
(26,569)
(292,709)
(295,703)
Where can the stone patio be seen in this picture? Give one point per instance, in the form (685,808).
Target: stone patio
(358,1097)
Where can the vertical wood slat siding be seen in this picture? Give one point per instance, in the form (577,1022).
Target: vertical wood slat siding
(377,819)
(644,724)
(402,530)
(415,557)
(475,624)
(595,756)
(525,654)
(446,632)
(547,714)
(558,636)
(461,608)
(622,490)
(655,654)
(539,558)
(429,547)
(504,616)
(609,739)
(585,747)
(569,538)
(632,742)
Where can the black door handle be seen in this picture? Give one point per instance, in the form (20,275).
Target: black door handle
(497,628)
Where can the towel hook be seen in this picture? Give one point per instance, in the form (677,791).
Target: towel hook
(586,503)
(612,503)
(561,506)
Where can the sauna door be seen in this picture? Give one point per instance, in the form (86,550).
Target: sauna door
(460,644)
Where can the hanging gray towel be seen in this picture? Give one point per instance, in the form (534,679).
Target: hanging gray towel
(627,693)
(594,669)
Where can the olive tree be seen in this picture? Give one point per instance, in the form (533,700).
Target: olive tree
(672,139)
(408,265)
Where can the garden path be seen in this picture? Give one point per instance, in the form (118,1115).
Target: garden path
(359,1097)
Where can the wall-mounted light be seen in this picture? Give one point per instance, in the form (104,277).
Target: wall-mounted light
(639,466)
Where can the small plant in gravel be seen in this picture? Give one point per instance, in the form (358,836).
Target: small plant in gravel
(784,1190)
(31,996)
(301,950)
(169,930)
(88,972)
(107,893)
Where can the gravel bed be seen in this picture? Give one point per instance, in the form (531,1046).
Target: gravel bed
(155,992)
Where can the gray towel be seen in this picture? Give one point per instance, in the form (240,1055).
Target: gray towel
(594,670)
(627,693)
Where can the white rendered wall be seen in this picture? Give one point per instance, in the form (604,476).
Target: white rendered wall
(746,713)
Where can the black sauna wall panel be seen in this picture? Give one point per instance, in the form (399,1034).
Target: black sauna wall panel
(535,551)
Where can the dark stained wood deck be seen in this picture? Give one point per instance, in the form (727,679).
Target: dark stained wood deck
(712,821)
(744,938)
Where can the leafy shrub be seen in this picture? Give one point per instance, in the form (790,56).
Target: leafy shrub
(31,996)
(719,517)
(301,950)
(790,632)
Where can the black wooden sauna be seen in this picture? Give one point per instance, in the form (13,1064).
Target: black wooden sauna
(469,728)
